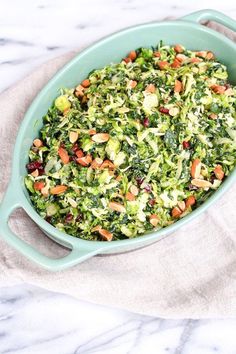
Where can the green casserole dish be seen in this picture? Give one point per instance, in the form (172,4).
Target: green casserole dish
(186,31)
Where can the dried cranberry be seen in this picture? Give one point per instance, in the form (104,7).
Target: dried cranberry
(152,202)
(68,218)
(34,165)
(146,122)
(164,110)
(186,144)
(148,188)
(139,180)
(75,147)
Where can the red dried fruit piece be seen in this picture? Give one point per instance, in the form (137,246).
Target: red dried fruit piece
(68,218)
(139,180)
(152,202)
(186,144)
(148,188)
(74,148)
(35,165)
(146,122)
(164,110)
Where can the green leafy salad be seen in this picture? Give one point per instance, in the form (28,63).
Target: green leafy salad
(136,146)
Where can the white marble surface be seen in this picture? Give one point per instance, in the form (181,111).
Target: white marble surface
(31,32)
(33,320)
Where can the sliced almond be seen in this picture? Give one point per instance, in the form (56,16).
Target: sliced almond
(63,155)
(178,86)
(190,201)
(129,196)
(219,173)
(79,91)
(96,228)
(38,143)
(100,137)
(107,164)
(201,183)
(176,212)
(132,84)
(85,160)
(117,207)
(73,137)
(178,48)
(106,235)
(181,205)
(218,89)
(72,202)
(210,56)
(45,191)
(150,88)
(213,116)
(196,168)
(96,163)
(202,54)
(154,220)
(92,131)
(181,57)
(58,189)
(134,190)
(35,173)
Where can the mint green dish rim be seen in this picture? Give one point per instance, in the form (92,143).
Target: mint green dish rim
(16,195)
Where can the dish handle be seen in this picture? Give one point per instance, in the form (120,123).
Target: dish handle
(77,255)
(206,15)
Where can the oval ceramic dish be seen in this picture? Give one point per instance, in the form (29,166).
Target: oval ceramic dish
(187,31)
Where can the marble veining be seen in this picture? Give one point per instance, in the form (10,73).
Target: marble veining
(32,32)
(33,320)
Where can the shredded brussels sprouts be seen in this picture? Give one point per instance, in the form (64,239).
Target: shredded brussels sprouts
(136,146)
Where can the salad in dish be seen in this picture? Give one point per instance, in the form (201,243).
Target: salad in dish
(136,145)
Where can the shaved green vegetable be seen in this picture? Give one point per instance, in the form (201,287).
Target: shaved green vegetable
(136,146)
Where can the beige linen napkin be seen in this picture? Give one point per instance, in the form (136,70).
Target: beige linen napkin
(191,273)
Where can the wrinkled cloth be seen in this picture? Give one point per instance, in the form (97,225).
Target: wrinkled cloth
(191,273)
